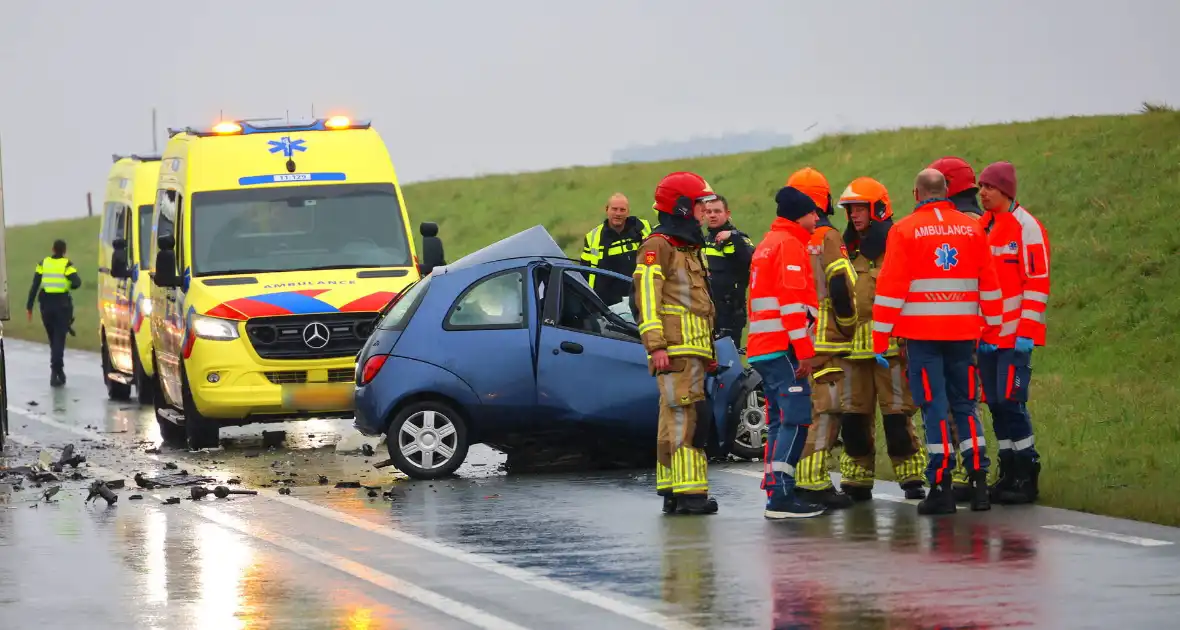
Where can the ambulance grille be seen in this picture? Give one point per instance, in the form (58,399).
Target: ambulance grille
(282,337)
(288,377)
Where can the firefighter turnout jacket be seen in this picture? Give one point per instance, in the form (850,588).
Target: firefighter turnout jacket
(675,310)
(834,281)
(1020,248)
(867,270)
(937,279)
(605,248)
(783,305)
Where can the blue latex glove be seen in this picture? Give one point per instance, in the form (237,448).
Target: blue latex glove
(987,348)
(881,360)
(1024,344)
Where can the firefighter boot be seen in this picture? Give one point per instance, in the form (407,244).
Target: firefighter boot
(669,504)
(858,493)
(914,489)
(1024,483)
(695,504)
(830,498)
(1004,482)
(941,499)
(979,491)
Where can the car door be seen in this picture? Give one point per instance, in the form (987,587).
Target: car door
(591,364)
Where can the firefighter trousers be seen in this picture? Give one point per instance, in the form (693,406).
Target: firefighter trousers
(814,461)
(942,379)
(788,401)
(865,387)
(685,416)
(1006,374)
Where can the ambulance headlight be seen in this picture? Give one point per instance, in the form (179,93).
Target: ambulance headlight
(214,328)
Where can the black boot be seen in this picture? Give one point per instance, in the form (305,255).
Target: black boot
(1024,483)
(828,497)
(696,504)
(941,499)
(56,378)
(1004,482)
(914,489)
(980,502)
(859,494)
(962,492)
(669,504)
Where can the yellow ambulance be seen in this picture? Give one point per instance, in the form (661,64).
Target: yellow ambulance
(276,246)
(123,286)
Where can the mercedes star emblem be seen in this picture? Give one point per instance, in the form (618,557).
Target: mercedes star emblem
(315,335)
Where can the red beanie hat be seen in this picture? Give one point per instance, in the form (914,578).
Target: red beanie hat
(1001,176)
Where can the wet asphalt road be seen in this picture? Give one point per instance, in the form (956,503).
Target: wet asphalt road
(496,550)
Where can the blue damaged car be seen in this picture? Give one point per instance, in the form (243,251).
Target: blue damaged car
(510,347)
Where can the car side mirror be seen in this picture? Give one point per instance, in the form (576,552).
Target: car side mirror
(427,228)
(166,243)
(119,267)
(165,273)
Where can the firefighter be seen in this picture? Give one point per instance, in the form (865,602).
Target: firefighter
(53,280)
(867,384)
(611,245)
(727,254)
(676,322)
(937,279)
(1020,246)
(834,279)
(783,310)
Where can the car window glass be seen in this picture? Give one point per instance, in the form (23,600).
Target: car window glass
(583,310)
(494,302)
(399,315)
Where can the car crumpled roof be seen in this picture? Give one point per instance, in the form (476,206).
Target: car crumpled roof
(534,241)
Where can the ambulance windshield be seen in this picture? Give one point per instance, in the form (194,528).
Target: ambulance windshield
(297,228)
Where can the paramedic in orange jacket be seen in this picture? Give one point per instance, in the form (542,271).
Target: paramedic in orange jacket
(938,276)
(1020,247)
(780,345)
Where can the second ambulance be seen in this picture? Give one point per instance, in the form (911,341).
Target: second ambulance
(276,246)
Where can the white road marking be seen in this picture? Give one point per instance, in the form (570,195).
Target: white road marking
(593,598)
(1097,533)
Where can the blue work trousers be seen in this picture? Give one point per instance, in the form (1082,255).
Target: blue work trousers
(942,379)
(1006,374)
(788,417)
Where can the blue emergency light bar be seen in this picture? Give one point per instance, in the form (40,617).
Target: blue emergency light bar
(142,157)
(247,126)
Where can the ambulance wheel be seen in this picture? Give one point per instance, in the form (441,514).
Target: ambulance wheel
(170,432)
(115,389)
(200,432)
(145,387)
(427,440)
(748,424)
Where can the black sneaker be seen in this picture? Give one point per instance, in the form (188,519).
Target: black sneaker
(980,502)
(859,494)
(941,499)
(780,507)
(914,489)
(829,498)
(695,504)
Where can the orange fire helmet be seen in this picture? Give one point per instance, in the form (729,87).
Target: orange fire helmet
(813,183)
(870,191)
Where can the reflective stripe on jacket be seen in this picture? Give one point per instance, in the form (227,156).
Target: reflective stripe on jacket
(783,306)
(1020,248)
(593,249)
(675,310)
(54,274)
(937,279)
(830,264)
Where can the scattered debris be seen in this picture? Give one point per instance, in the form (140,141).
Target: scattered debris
(171,466)
(348,484)
(221,492)
(284,491)
(152,451)
(48,494)
(99,489)
(323,479)
(117,484)
(77,476)
(32,403)
(493,496)
(68,458)
(367,450)
(135,497)
(372,493)
(168,481)
(172,501)
(233,482)
(383,464)
(273,438)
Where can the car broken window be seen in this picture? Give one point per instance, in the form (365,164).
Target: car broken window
(494,302)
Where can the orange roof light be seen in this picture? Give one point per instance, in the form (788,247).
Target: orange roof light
(227,127)
(338,122)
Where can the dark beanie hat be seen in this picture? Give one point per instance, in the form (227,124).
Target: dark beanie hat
(794,204)
(1001,176)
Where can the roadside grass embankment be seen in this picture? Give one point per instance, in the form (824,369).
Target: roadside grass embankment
(1104,396)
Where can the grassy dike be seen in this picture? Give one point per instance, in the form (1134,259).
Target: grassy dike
(1105,187)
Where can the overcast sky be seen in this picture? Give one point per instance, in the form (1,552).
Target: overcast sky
(464,87)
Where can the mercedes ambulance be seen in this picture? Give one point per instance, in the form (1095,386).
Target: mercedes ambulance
(123,287)
(277,244)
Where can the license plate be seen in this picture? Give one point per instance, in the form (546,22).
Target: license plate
(318,397)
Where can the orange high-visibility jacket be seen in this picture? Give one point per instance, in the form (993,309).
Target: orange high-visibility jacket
(1020,250)
(783,306)
(937,279)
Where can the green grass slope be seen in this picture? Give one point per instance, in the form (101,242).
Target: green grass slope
(1104,187)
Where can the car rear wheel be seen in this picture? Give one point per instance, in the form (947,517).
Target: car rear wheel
(427,440)
(749,437)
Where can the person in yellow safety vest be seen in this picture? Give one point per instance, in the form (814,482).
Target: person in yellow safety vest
(834,283)
(869,382)
(53,280)
(612,245)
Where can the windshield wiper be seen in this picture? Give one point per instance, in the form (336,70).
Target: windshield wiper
(343,266)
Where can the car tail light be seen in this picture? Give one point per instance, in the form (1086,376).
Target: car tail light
(372,366)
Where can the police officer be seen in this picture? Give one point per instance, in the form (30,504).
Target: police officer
(54,278)
(612,246)
(727,253)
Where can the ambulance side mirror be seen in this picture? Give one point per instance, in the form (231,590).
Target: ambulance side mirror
(119,267)
(427,228)
(165,271)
